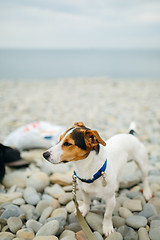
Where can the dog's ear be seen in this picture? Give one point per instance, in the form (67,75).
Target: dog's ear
(79,124)
(93,139)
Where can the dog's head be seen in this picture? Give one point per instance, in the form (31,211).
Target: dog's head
(75,144)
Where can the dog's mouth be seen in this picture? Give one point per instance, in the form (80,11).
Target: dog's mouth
(64,161)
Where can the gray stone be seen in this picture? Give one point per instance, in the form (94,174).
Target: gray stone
(114,236)
(47,198)
(30,211)
(156,203)
(11,211)
(95,221)
(50,228)
(136,221)
(34,225)
(15,178)
(45,214)
(25,233)
(75,227)
(31,196)
(38,180)
(65,198)
(118,221)
(14,224)
(143,234)
(124,212)
(55,191)
(128,233)
(98,236)
(6,236)
(41,206)
(18,201)
(154,232)
(59,212)
(155,224)
(148,210)
(133,194)
(133,205)
(67,233)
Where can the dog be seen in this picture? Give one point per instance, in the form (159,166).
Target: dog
(98,164)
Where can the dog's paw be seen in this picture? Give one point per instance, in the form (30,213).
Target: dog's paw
(107,230)
(84,210)
(147,194)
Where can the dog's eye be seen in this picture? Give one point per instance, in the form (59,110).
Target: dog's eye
(67,144)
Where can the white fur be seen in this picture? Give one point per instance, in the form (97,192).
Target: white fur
(118,150)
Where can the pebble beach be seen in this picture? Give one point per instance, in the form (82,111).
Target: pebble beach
(36,202)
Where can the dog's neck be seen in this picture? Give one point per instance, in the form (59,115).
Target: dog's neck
(87,167)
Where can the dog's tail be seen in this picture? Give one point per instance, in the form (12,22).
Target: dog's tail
(132,128)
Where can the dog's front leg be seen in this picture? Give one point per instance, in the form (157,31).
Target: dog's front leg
(84,208)
(107,222)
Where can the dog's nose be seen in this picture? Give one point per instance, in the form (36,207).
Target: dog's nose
(46,155)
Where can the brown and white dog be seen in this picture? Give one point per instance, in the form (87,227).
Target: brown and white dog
(97,162)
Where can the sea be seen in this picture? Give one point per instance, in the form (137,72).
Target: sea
(40,64)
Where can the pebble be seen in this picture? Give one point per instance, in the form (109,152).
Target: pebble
(114,236)
(156,203)
(75,227)
(124,212)
(14,224)
(15,178)
(6,236)
(39,180)
(94,221)
(61,179)
(25,233)
(34,225)
(41,206)
(30,211)
(18,201)
(98,236)
(143,234)
(12,211)
(133,205)
(59,212)
(128,233)
(55,191)
(45,214)
(65,198)
(154,232)
(50,228)
(148,210)
(31,196)
(70,207)
(136,221)
(118,221)
(45,238)
(67,233)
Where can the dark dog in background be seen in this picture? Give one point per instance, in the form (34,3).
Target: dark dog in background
(10,157)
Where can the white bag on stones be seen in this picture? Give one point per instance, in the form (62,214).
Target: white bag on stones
(38,134)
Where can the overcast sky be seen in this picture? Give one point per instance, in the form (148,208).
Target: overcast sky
(80,24)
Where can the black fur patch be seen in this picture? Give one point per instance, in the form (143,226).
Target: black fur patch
(132,132)
(78,137)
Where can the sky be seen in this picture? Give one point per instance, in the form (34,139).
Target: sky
(82,24)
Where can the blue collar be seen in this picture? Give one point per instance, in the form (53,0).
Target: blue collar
(95,176)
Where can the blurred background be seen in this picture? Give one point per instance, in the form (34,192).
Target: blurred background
(62,39)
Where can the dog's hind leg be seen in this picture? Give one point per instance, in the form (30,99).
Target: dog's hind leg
(142,162)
